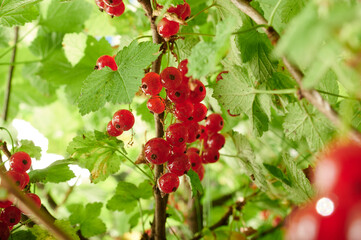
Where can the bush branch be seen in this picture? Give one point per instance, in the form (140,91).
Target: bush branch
(311,95)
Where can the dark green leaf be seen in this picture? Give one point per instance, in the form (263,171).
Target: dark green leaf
(195,183)
(277,173)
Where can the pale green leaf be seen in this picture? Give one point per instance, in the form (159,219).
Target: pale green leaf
(13,13)
(30,148)
(74,45)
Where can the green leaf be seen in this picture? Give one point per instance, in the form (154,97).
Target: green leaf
(277,173)
(237,92)
(42,234)
(195,183)
(206,55)
(169,2)
(306,122)
(18,12)
(120,86)
(56,172)
(97,152)
(88,218)
(30,148)
(66,16)
(74,47)
(21,235)
(46,43)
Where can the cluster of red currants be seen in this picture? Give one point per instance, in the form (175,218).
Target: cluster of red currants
(186,94)
(122,120)
(167,28)
(10,215)
(336,211)
(114,8)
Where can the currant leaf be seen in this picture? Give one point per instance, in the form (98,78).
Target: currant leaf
(30,148)
(13,13)
(195,183)
(56,172)
(42,234)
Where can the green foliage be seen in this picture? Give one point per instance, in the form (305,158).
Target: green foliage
(56,172)
(13,13)
(87,218)
(97,152)
(30,148)
(169,2)
(127,195)
(195,183)
(42,234)
(117,86)
(20,235)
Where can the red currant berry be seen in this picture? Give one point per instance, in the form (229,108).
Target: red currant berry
(178,10)
(210,155)
(168,183)
(167,28)
(187,11)
(214,122)
(200,172)
(11,215)
(219,76)
(4,231)
(200,112)
(115,11)
(19,178)
(193,131)
(171,78)
(6,203)
(112,131)
(151,84)
(179,164)
(198,91)
(180,94)
(123,120)
(183,67)
(180,149)
(193,149)
(195,160)
(184,111)
(106,61)
(176,134)
(113,3)
(216,141)
(204,133)
(35,198)
(157,151)
(156,104)
(20,161)
(100,4)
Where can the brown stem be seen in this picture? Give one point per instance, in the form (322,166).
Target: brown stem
(158,225)
(10,76)
(311,95)
(5,150)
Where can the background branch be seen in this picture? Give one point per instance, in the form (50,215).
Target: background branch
(311,95)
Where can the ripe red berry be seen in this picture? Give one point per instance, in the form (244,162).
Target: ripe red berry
(4,231)
(21,179)
(193,131)
(183,67)
(151,84)
(100,4)
(178,10)
(115,11)
(179,164)
(113,3)
(187,11)
(210,155)
(179,149)
(200,172)
(179,94)
(106,61)
(123,120)
(6,203)
(216,141)
(171,78)
(198,91)
(219,76)
(176,134)
(112,131)
(195,160)
(11,215)
(204,133)
(168,183)
(157,151)
(20,161)
(167,28)
(184,111)
(200,112)
(156,104)
(193,149)
(35,198)
(214,122)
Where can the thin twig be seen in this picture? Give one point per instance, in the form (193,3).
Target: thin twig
(311,95)
(10,76)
